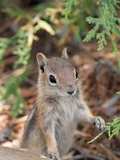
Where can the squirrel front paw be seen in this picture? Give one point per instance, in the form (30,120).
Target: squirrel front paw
(98,122)
(54,156)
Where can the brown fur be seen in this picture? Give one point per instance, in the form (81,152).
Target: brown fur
(51,124)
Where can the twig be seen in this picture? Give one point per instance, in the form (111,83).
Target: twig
(108,106)
(9,60)
(109,153)
(114,99)
(18,120)
(9,74)
(96,137)
(88,156)
(30,81)
(84,154)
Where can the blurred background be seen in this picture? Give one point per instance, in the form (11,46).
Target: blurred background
(91,32)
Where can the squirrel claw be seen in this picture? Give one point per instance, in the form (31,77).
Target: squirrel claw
(53,156)
(99,123)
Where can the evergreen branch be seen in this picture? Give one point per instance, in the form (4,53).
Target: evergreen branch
(68,5)
(107,23)
(21,41)
(118,92)
(112,128)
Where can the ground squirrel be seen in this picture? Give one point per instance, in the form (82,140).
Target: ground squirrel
(58,109)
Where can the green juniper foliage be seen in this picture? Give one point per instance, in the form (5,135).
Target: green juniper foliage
(75,13)
(118,92)
(100,15)
(105,23)
(69,7)
(22,48)
(4,42)
(112,128)
(10,91)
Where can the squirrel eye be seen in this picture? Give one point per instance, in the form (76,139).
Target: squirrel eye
(52,79)
(76,75)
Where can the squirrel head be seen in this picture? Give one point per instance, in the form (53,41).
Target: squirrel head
(57,75)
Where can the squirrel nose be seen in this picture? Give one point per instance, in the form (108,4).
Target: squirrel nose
(71,89)
(70,92)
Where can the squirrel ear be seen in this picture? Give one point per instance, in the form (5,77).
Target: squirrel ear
(64,53)
(41,60)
